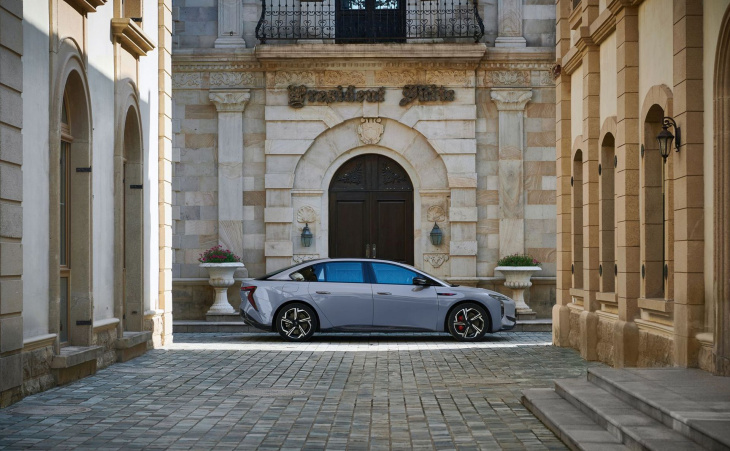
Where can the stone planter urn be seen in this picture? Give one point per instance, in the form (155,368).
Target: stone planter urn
(518,279)
(220,277)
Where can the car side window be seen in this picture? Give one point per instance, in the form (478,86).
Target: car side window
(393,275)
(344,272)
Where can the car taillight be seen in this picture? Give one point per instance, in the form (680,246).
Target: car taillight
(249,295)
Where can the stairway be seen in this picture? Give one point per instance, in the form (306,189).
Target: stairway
(640,409)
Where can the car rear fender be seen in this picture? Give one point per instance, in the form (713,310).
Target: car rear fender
(466,301)
(297,301)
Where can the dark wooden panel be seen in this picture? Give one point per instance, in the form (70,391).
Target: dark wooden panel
(348,229)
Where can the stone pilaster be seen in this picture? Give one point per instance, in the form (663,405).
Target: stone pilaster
(509,13)
(626,336)
(511,106)
(11,210)
(230,104)
(689,293)
(561,313)
(591,157)
(161,324)
(230,24)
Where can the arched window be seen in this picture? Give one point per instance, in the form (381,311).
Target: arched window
(607,217)
(64,201)
(577,223)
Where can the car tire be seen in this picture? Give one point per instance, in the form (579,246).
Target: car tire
(296,322)
(468,322)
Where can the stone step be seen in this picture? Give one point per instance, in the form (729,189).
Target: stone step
(533,325)
(690,401)
(629,425)
(568,423)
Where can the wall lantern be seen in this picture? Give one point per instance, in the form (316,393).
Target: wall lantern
(665,137)
(436,235)
(306,236)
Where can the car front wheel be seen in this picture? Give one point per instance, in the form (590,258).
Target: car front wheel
(468,322)
(296,322)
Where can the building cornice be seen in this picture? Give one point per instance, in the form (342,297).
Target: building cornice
(293,52)
(86,6)
(602,27)
(131,36)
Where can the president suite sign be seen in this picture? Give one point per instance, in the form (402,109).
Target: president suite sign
(299,94)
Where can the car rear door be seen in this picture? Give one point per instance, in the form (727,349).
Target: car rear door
(397,303)
(342,294)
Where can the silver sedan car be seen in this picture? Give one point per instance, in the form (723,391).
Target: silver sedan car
(368,295)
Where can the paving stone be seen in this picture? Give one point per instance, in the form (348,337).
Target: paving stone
(340,391)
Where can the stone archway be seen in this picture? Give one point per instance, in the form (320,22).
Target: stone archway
(371,210)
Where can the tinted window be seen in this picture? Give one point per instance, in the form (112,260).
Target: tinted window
(393,275)
(348,272)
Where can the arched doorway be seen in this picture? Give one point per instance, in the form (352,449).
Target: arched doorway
(371,210)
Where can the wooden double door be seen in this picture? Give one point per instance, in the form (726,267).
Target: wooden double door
(371,210)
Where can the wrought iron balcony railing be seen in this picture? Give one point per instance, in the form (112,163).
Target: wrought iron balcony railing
(366,21)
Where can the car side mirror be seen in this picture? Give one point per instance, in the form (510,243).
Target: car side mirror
(296,276)
(421,281)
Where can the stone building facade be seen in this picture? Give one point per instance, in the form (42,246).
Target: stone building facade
(273,136)
(85,198)
(642,247)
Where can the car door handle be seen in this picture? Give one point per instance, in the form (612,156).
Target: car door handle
(385,293)
(323,292)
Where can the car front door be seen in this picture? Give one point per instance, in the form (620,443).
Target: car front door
(342,294)
(397,303)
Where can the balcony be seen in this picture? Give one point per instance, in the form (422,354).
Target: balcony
(369,21)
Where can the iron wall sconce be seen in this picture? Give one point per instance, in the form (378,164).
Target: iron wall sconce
(665,137)
(436,235)
(306,236)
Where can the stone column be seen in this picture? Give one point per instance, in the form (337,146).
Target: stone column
(230,24)
(230,104)
(509,13)
(511,106)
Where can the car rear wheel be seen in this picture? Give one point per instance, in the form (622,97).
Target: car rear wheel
(296,322)
(468,322)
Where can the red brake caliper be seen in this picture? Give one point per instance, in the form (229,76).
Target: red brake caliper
(460,327)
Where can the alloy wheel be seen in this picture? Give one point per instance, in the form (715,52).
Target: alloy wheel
(468,323)
(296,323)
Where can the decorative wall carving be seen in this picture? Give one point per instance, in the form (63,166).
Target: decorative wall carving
(511,99)
(436,260)
(182,80)
(230,101)
(306,215)
(546,78)
(436,214)
(231,79)
(396,78)
(507,78)
(289,78)
(353,176)
(301,258)
(448,77)
(343,78)
(370,130)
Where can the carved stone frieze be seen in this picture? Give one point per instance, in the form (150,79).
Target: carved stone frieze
(396,77)
(343,78)
(301,258)
(183,80)
(448,77)
(306,215)
(436,260)
(281,79)
(436,214)
(507,78)
(546,78)
(230,101)
(370,130)
(231,79)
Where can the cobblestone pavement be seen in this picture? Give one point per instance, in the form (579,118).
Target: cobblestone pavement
(254,391)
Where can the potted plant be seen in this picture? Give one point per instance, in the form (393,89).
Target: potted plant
(221,265)
(517,270)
